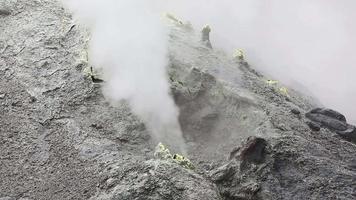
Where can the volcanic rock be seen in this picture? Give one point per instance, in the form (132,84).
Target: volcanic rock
(334,121)
(4,12)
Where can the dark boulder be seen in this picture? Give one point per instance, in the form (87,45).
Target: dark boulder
(252,151)
(349,134)
(329,113)
(332,120)
(233,178)
(328,122)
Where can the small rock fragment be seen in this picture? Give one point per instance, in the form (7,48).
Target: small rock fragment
(295,111)
(2,96)
(33,99)
(110,182)
(4,12)
(206,36)
(239,55)
(313,126)
(223,173)
(16,104)
(96,126)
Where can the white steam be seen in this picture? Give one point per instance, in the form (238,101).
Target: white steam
(129,43)
(309,42)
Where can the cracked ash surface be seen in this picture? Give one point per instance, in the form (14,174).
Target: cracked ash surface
(60,139)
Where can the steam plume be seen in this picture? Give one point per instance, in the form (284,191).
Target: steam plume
(129,43)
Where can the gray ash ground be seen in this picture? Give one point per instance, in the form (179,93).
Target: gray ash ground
(60,139)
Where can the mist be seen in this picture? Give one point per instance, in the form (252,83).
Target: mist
(307,44)
(129,45)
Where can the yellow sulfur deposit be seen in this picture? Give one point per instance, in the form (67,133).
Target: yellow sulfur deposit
(162,152)
(174,18)
(284,91)
(239,54)
(271,82)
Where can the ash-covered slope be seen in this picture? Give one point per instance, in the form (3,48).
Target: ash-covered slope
(60,139)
